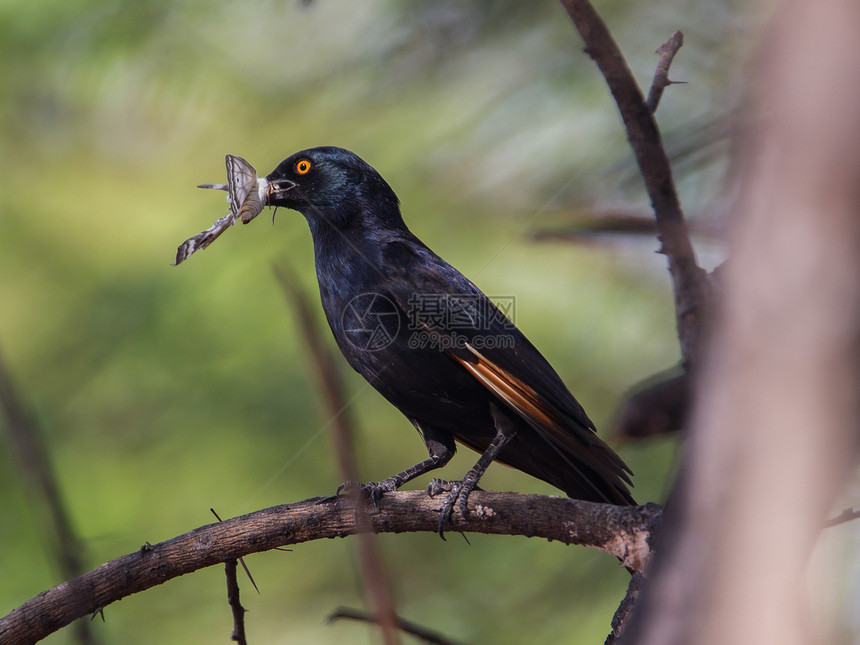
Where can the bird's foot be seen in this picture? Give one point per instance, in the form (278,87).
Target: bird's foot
(437,486)
(348,487)
(371,490)
(458,496)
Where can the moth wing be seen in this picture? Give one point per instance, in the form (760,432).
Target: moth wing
(204,238)
(241,181)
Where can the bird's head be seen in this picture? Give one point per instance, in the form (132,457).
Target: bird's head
(333,186)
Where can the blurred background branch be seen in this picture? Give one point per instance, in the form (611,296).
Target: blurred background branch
(321,365)
(421,633)
(33,462)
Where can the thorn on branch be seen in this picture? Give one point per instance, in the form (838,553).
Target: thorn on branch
(661,81)
(241,560)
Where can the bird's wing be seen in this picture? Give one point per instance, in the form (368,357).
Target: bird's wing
(572,441)
(498,355)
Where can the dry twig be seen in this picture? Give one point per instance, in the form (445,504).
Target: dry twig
(848,515)
(426,635)
(238,634)
(661,80)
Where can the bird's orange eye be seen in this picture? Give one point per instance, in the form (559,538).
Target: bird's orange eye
(303,166)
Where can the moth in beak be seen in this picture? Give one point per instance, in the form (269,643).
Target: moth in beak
(247,194)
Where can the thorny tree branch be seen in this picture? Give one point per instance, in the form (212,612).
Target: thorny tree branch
(622,531)
(689,280)
(241,560)
(236,607)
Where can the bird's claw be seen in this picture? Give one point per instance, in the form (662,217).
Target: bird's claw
(458,496)
(348,487)
(371,490)
(437,486)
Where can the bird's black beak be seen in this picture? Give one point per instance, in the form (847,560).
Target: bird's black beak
(277,190)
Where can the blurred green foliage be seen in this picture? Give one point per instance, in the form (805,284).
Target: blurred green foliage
(163,391)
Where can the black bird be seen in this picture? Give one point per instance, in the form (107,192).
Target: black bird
(433,344)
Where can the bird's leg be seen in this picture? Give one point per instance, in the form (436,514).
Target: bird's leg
(440,451)
(459,495)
